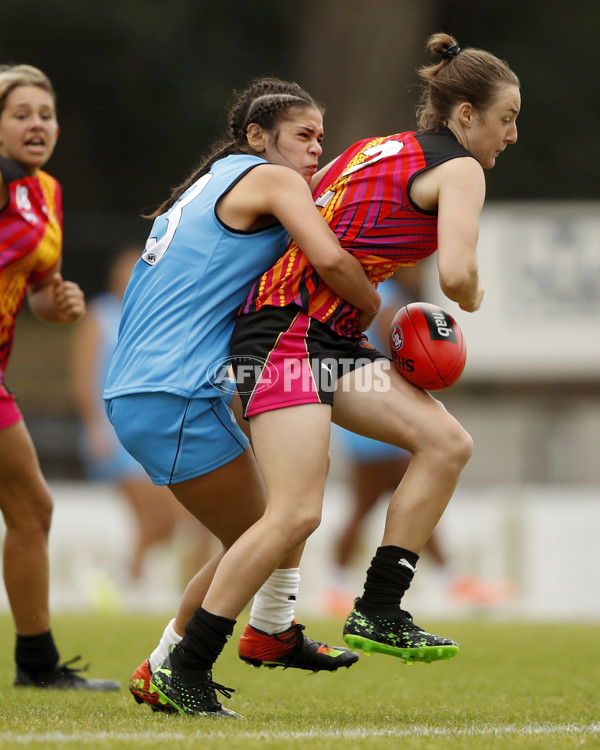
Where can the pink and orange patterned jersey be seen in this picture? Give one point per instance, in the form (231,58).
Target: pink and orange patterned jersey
(30,242)
(365,198)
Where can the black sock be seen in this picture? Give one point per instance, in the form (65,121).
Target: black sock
(205,637)
(36,654)
(391,572)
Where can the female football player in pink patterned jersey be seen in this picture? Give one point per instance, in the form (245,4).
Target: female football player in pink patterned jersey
(390,201)
(30,256)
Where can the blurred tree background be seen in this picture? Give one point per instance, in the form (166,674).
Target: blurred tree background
(143,88)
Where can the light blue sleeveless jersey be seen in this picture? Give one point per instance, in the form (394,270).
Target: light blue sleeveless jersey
(180,305)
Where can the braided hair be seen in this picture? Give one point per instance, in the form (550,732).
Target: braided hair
(266,101)
(462,75)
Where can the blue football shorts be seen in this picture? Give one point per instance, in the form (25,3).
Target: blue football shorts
(176,438)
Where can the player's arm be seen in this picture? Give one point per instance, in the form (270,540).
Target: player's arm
(283,193)
(460,201)
(55,300)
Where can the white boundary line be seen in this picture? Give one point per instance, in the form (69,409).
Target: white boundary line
(415,731)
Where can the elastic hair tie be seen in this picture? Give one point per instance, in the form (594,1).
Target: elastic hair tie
(452,51)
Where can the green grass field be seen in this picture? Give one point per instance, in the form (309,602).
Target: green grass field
(511,686)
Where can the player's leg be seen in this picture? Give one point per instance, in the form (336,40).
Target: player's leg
(273,638)
(295,495)
(294,487)
(27,509)
(228,500)
(412,419)
(409,418)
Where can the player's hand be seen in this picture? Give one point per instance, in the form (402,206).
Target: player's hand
(69,300)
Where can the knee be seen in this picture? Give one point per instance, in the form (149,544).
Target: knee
(300,526)
(451,444)
(461,446)
(41,515)
(310,523)
(32,517)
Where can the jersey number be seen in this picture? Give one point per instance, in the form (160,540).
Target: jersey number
(155,249)
(378,152)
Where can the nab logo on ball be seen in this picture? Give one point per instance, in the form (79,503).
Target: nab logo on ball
(428,347)
(441,325)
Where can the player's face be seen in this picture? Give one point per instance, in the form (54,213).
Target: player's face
(495,128)
(28,127)
(297,143)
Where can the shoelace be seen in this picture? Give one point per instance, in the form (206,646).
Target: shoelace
(211,685)
(226,691)
(66,668)
(407,616)
(299,636)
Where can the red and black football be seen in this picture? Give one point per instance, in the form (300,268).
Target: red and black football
(428,346)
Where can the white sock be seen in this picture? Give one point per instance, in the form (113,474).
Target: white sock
(165,646)
(273,606)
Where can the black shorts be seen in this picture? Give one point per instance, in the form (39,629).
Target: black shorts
(282,357)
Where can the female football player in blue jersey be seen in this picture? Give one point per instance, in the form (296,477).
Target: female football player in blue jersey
(158,517)
(391,201)
(167,389)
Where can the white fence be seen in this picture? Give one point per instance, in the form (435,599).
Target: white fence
(543,539)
